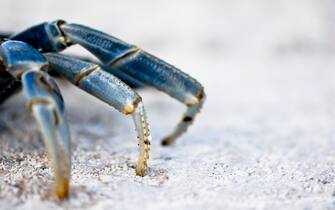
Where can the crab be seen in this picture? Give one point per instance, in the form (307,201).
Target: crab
(28,57)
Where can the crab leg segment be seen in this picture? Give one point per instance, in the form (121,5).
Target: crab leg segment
(46,104)
(47,107)
(143,131)
(101,84)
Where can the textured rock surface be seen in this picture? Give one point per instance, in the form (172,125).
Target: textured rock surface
(264,140)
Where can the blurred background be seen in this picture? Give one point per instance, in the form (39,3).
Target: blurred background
(265,137)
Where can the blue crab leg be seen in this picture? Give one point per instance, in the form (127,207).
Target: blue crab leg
(142,66)
(46,104)
(103,85)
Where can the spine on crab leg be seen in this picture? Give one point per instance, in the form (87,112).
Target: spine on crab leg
(46,104)
(142,66)
(143,131)
(101,84)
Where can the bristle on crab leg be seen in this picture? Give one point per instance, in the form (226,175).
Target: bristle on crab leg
(143,131)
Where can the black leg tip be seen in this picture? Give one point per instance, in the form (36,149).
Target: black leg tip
(166,142)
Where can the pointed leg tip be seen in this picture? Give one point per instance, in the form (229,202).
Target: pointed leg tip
(63,190)
(62,197)
(140,171)
(167,141)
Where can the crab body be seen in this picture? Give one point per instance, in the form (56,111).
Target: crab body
(8,85)
(27,58)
